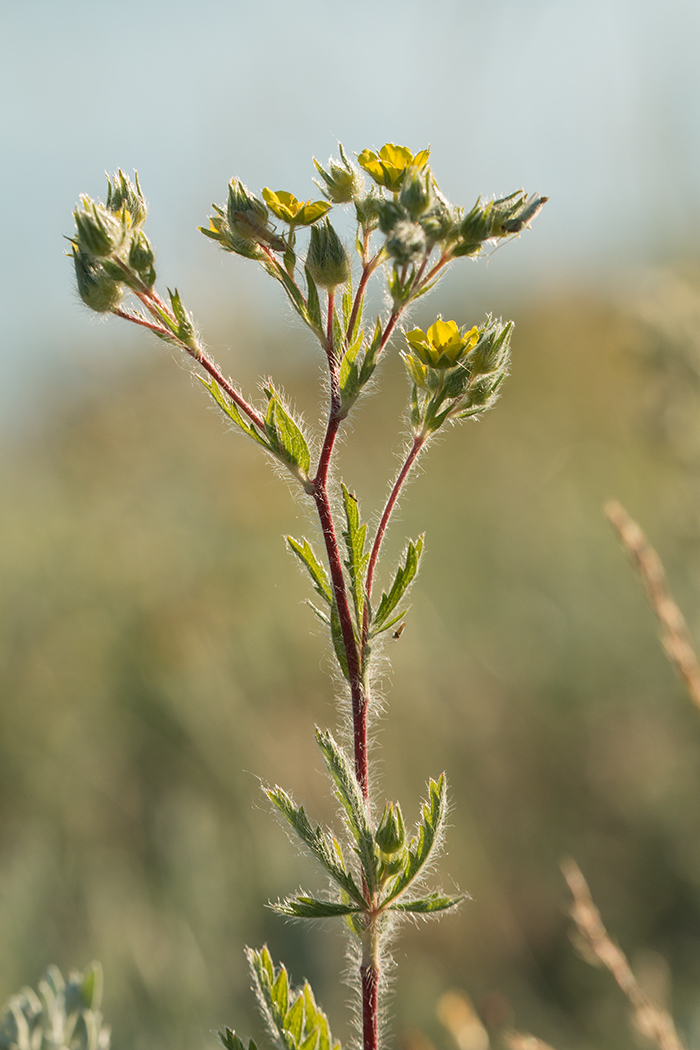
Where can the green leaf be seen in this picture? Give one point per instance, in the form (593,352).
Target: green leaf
(370,359)
(280,993)
(313,305)
(339,641)
(286,438)
(348,793)
(356,561)
(318,574)
(294,1020)
(405,575)
(230,1041)
(347,302)
(231,410)
(349,375)
(303,907)
(301,1026)
(322,844)
(433,812)
(434,902)
(338,334)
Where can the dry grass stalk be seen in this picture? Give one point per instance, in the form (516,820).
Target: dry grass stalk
(675,636)
(520,1041)
(651,1020)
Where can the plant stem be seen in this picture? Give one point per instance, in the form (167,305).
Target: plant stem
(418,441)
(369,975)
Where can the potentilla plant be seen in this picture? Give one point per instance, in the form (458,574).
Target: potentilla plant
(407,234)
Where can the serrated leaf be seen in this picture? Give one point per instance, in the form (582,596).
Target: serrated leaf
(294,1020)
(433,812)
(349,374)
(311,1041)
(229,1040)
(348,793)
(285,436)
(321,843)
(313,305)
(318,574)
(303,907)
(280,992)
(434,902)
(405,574)
(303,1026)
(370,359)
(356,561)
(231,410)
(347,302)
(338,641)
(338,334)
(321,615)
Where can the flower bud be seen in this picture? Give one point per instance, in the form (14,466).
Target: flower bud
(343,183)
(99,233)
(98,291)
(390,835)
(389,214)
(491,352)
(123,194)
(142,259)
(407,243)
(248,217)
(416,192)
(476,228)
(326,259)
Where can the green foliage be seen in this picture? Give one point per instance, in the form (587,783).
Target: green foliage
(383,619)
(294,1019)
(321,843)
(63,1014)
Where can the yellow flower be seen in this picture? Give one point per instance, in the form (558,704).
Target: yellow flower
(389,166)
(297,213)
(443,345)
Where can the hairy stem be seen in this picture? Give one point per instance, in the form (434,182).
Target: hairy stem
(418,442)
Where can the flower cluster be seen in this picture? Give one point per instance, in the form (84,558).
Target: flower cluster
(110,250)
(456,373)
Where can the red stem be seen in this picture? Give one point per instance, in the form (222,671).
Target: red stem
(418,442)
(370,1006)
(155,305)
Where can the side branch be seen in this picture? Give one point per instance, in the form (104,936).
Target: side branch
(417,445)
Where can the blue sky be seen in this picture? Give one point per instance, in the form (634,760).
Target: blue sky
(595,102)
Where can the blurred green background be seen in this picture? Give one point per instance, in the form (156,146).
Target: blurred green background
(156,658)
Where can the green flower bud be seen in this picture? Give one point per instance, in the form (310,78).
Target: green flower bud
(416,191)
(476,227)
(407,243)
(123,194)
(343,183)
(525,210)
(248,218)
(492,351)
(326,259)
(367,210)
(98,291)
(439,221)
(390,213)
(142,259)
(99,233)
(390,835)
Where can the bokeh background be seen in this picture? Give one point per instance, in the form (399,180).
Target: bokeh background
(155,657)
